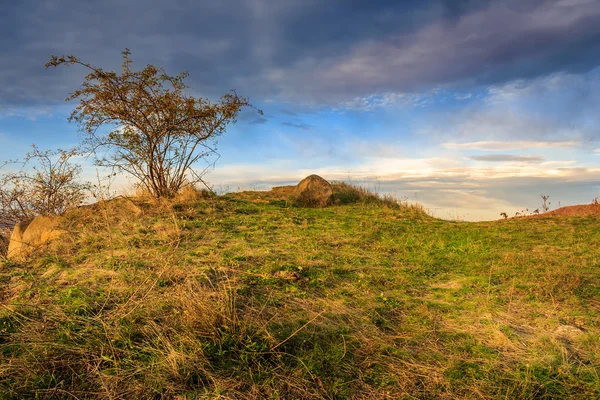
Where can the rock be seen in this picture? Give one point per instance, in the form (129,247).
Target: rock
(287,275)
(313,191)
(28,236)
(567,332)
(15,243)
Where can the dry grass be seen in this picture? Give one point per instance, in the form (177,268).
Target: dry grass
(230,297)
(345,193)
(4,241)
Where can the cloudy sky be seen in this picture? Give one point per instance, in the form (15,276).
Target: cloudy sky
(471,107)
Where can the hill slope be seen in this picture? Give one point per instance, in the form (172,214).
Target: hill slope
(578,210)
(246,297)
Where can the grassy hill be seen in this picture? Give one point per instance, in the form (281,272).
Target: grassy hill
(245,296)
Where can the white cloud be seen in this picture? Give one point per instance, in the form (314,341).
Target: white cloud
(465,96)
(516,145)
(429,171)
(507,158)
(558,163)
(30,113)
(390,99)
(556,111)
(446,186)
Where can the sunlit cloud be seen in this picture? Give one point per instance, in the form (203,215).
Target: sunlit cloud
(447,187)
(516,145)
(506,158)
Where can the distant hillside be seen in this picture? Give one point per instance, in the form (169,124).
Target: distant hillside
(247,296)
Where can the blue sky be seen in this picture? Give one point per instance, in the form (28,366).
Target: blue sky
(470,107)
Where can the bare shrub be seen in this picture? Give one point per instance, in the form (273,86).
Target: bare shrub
(46,183)
(546,203)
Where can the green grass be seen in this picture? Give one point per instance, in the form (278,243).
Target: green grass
(247,297)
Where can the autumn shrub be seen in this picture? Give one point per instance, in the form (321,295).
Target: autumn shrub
(157,132)
(45,182)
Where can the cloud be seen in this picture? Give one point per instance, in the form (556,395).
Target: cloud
(558,110)
(464,96)
(516,145)
(258,121)
(299,125)
(507,158)
(558,163)
(31,113)
(390,100)
(305,51)
(445,186)
(251,117)
(544,37)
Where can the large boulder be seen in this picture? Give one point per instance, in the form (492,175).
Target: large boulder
(313,191)
(32,235)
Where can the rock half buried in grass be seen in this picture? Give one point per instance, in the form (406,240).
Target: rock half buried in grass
(313,191)
(567,332)
(29,236)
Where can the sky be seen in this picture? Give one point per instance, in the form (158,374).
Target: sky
(469,107)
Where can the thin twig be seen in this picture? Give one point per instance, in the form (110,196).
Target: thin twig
(297,330)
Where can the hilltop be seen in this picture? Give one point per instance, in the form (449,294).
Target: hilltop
(248,296)
(577,210)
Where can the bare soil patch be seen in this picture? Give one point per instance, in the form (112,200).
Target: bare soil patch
(577,210)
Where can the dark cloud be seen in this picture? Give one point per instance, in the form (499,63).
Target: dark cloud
(454,9)
(258,121)
(299,125)
(488,45)
(507,158)
(310,51)
(252,117)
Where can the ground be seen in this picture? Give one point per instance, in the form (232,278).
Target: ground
(246,296)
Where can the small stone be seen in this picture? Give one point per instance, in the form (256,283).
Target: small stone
(567,332)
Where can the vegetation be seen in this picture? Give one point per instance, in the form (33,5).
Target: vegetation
(157,132)
(244,296)
(345,193)
(46,183)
